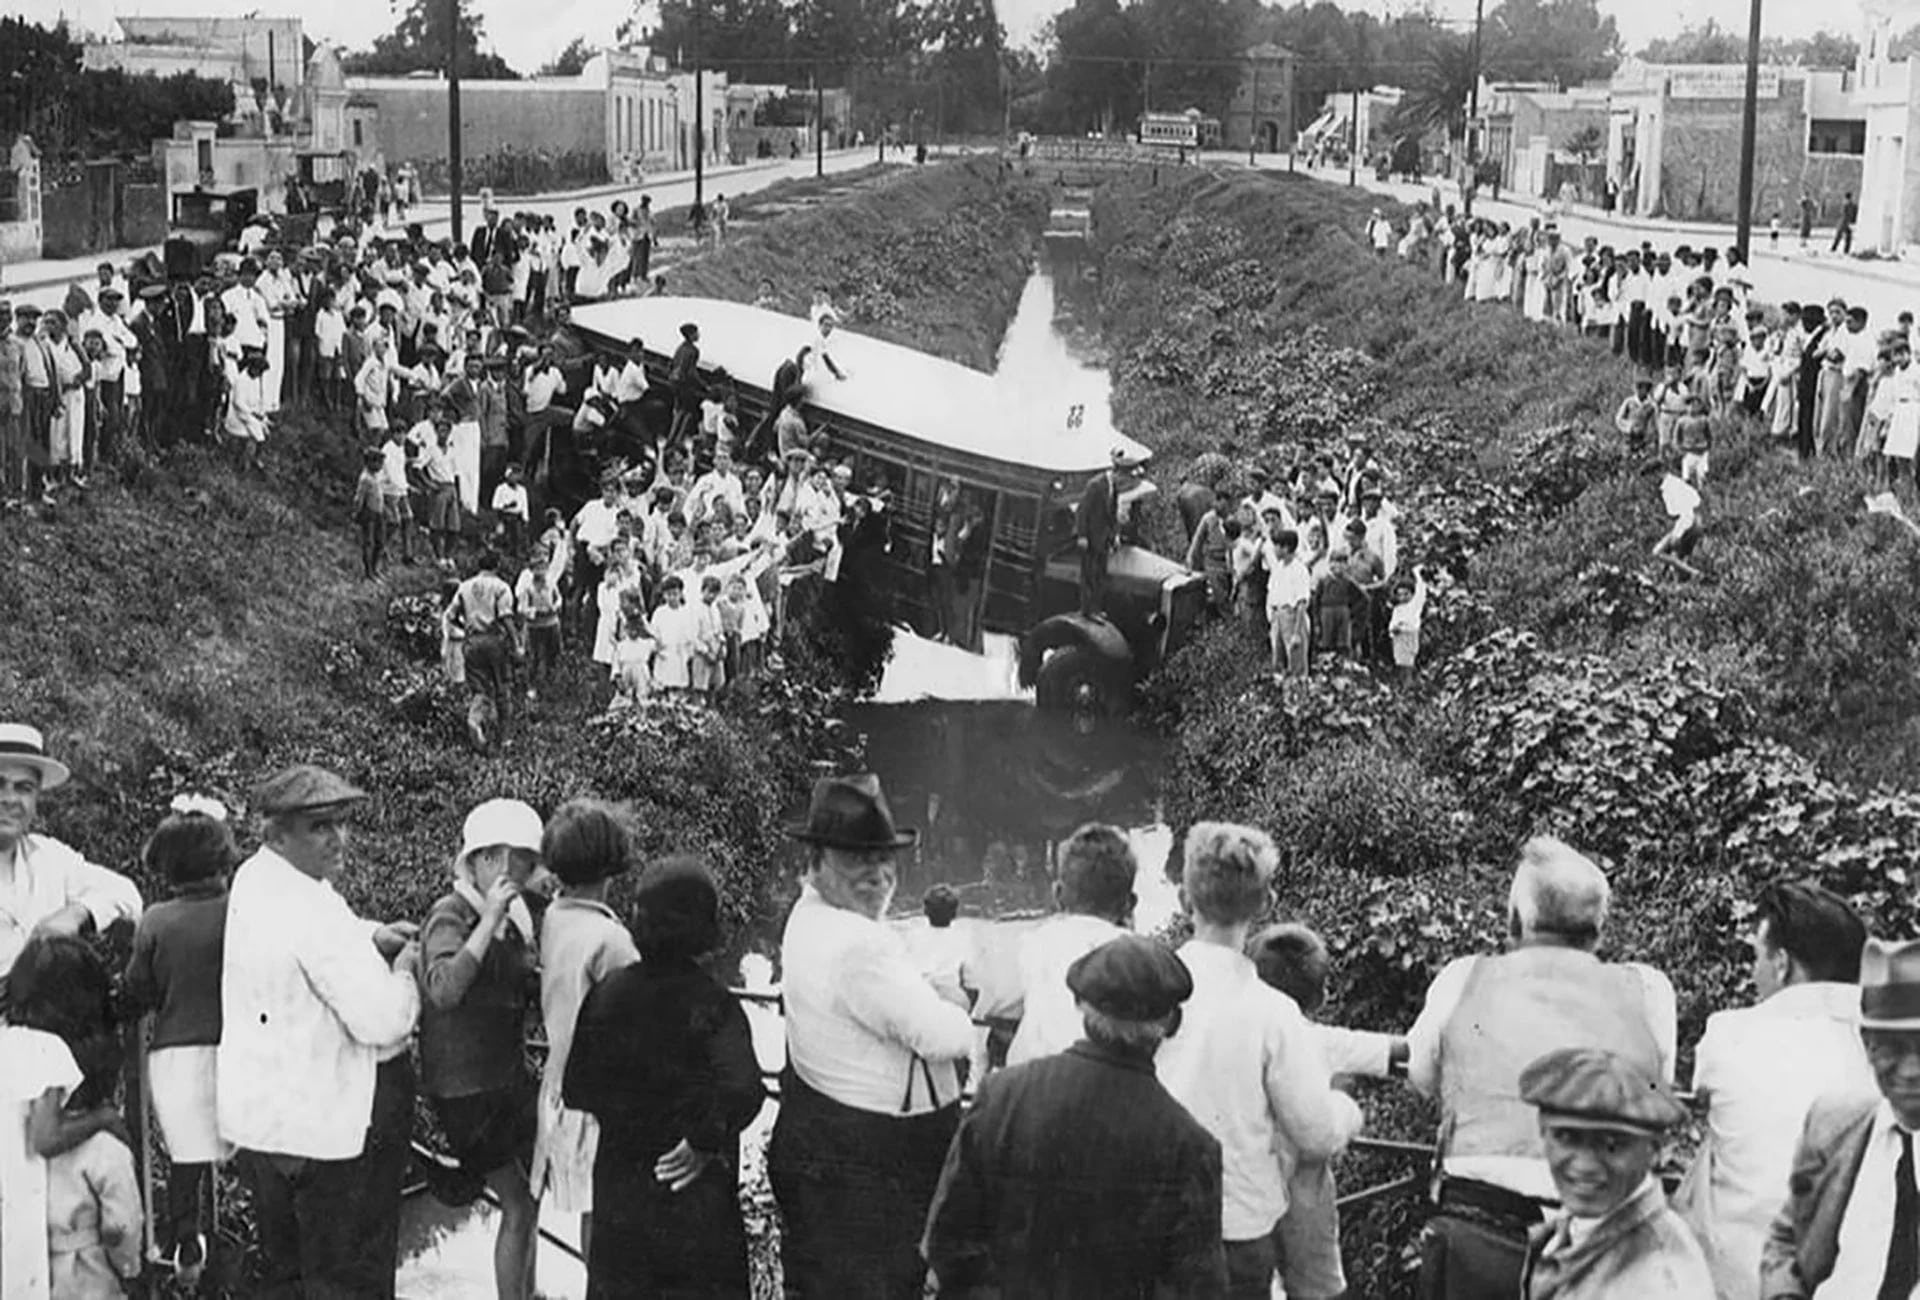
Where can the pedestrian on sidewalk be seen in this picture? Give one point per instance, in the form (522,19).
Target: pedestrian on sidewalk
(1806,220)
(1843,234)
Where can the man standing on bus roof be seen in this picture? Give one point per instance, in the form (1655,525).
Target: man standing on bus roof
(1097,524)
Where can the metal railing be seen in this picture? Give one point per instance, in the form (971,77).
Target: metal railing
(141,1124)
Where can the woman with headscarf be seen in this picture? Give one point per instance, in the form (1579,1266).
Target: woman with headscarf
(663,1059)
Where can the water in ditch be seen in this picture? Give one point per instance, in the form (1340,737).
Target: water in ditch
(993,785)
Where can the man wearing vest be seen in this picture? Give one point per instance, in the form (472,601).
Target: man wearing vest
(870,1098)
(1485,1019)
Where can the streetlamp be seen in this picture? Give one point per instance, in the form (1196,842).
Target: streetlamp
(1749,118)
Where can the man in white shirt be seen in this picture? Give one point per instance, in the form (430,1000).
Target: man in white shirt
(312,998)
(45,886)
(870,1097)
(1485,1019)
(1094,892)
(1246,1063)
(719,484)
(1849,1222)
(1759,1069)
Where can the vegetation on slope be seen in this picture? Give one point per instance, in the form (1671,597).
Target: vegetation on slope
(1568,685)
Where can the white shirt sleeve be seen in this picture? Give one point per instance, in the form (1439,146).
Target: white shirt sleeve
(888,997)
(378,1006)
(1423,1040)
(107,895)
(1662,1011)
(1314,1121)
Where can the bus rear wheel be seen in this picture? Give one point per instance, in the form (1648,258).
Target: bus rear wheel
(1080,680)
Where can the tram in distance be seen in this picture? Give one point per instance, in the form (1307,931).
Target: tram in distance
(910,421)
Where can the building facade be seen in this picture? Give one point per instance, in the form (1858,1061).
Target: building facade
(625,108)
(1888,92)
(1541,137)
(1260,113)
(1674,135)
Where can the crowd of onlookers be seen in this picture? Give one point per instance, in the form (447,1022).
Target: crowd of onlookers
(1160,1122)
(1822,378)
(484,420)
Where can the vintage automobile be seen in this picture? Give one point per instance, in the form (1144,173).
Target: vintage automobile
(204,224)
(910,421)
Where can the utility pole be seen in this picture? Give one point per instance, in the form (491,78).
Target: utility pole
(453,113)
(1353,150)
(1253,113)
(699,112)
(1749,114)
(1473,114)
(819,124)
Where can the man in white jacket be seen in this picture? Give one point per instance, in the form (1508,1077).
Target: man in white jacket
(312,998)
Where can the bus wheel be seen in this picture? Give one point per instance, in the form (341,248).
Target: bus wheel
(1080,680)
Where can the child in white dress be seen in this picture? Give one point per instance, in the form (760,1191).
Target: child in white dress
(677,628)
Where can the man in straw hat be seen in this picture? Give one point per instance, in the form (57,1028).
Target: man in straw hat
(870,1098)
(1078,1173)
(318,1007)
(1603,1118)
(45,886)
(1850,1222)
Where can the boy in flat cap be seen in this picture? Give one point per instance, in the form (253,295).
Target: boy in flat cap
(1603,1118)
(1078,1174)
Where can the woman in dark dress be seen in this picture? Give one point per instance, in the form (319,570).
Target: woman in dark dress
(663,1058)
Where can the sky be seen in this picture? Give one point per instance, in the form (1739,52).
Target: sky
(529,32)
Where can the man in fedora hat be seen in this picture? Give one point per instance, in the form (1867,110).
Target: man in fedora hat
(314,1086)
(870,1097)
(1850,1221)
(1078,1173)
(1603,1118)
(44,885)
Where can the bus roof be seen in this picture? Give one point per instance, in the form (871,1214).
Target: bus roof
(889,386)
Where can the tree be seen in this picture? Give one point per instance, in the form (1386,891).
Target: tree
(1821,50)
(419,44)
(1196,47)
(1587,144)
(1093,71)
(1707,43)
(1439,89)
(92,113)
(1566,42)
(571,61)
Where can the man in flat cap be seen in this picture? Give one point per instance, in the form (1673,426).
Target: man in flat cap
(1078,1174)
(1849,1224)
(1602,1120)
(45,886)
(871,1094)
(318,1007)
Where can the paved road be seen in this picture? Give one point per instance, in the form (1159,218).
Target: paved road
(45,283)
(1885,288)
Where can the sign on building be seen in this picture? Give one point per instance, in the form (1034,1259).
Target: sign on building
(1720,81)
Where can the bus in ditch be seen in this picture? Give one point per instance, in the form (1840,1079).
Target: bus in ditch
(910,422)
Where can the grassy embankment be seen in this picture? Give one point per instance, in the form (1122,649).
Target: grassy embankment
(1697,737)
